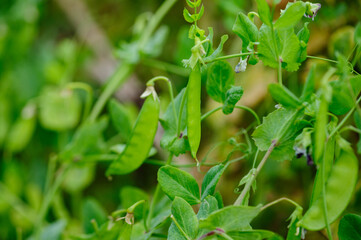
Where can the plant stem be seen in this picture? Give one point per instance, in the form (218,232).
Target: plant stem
(324,203)
(184,72)
(204,116)
(321,58)
(154,22)
(48,199)
(121,74)
(345,118)
(155,197)
(237,55)
(254,176)
(280,200)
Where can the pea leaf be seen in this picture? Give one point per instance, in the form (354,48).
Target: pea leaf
(92,210)
(283,96)
(176,182)
(281,126)
(208,205)
(170,141)
(264,12)
(349,228)
(233,95)
(185,217)
(291,15)
(285,43)
(211,179)
(52,231)
(154,46)
(245,29)
(303,36)
(220,79)
(231,218)
(120,118)
(216,52)
(187,16)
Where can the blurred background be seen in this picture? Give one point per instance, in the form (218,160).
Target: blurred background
(45,45)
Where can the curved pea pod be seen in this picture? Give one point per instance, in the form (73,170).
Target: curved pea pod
(141,139)
(283,96)
(194,110)
(233,95)
(339,188)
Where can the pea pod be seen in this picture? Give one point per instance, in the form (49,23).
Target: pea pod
(194,110)
(339,188)
(141,139)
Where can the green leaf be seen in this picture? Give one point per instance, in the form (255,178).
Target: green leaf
(208,205)
(211,179)
(264,12)
(245,29)
(186,218)
(291,15)
(59,109)
(187,16)
(52,231)
(78,177)
(285,43)
(309,86)
(170,141)
(341,101)
(349,228)
(220,79)
(216,53)
(92,210)
(86,140)
(176,182)
(282,95)
(303,36)
(154,46)
(130,195)
(231,218)
(120,118)
(175,233)
(254,235)
(281,126)
(233,95)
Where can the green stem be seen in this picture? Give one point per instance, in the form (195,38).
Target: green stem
(155,197)
(121,74)
(154,22)
(248,185)
(89,95)
(170,89)
(237,55)
(184,97)
(321,58)
(280,200)
(324,203)
(50,172)
(164,66)
(279,75)
(48,199)
(345,118)
(238,106)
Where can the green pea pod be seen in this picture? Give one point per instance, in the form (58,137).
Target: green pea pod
(283,96)
(339,189)
(194,110)
(140,141)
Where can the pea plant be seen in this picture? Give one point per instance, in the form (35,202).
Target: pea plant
(308,125)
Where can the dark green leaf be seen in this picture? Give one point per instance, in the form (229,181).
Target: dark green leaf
(220,79)
(233,95)
(281,126)
(185,217)
(291,15)
(350,227)
(231,218)
(176,182)
(211,179)
(282,95)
